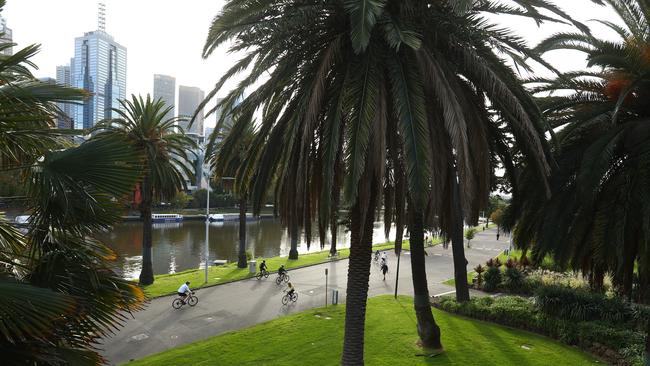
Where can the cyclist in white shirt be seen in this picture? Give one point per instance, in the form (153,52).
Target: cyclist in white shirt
(184,290)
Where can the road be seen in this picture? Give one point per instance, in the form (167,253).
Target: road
(245,303)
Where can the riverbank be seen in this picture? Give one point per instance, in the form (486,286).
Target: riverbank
(316,337)
(167,284)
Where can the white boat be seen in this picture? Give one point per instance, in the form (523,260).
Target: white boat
(22,219)
(215,217)
(166,217)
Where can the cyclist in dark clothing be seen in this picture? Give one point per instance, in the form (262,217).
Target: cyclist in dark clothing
(263,267)
(282,271)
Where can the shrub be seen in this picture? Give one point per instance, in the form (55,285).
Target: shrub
(514,279)
(479,275)
(492,278)
(580,304)
(525,314)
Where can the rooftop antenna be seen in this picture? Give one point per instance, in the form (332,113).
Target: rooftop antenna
(101,17)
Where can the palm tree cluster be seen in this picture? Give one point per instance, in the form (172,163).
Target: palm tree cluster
(409,105)
(597,220)
(59,294)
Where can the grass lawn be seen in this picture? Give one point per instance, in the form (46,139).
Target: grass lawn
(470,278)
(315,337)
(168,283)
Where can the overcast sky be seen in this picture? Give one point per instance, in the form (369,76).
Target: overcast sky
(167,36)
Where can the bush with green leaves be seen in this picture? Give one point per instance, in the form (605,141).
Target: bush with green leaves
(525,313)
(492,276)
(580,304)
(514,279)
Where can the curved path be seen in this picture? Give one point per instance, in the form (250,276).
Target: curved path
(248,302)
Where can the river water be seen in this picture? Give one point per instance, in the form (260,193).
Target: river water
(181,246)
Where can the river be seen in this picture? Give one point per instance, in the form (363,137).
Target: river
(181,246)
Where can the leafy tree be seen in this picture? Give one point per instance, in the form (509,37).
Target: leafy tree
(469,235)
(143,124)
(180,200)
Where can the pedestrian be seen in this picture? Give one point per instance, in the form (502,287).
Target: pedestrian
(497,235)
(384,269)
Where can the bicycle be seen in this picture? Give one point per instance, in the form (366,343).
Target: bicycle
(283,277)
(261,274)
(286,298)
(192,300)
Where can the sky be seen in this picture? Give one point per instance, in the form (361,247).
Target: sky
(167,36)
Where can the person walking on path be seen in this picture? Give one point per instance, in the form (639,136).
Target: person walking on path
(497,235)
(384,269)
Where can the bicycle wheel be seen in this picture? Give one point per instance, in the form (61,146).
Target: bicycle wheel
(193,300)
(294,297)
(177,303)
(278,280)
(286,278)
(266,274)
(259,276)
(285,299)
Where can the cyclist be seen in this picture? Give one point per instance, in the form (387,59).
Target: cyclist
(290,290)
(184,290)
(282,271)
(377,255)
(263,267)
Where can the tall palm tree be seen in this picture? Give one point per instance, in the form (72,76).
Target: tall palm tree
(596,220)
(165,149)
(228,159)
(58,291)
(342,79)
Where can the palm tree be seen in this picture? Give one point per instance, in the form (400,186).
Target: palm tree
(342,79)
(228,158)
(58,290)
(143,124)
(596,219)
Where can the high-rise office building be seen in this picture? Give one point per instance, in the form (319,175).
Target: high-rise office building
(6,36)
(99,67)
(64,78)
(164,87)
(189,98)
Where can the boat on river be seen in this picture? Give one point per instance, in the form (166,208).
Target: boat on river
(166,217)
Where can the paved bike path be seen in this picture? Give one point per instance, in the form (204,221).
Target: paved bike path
(248,302)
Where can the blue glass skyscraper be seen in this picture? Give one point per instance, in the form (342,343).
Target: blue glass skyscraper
(99,66)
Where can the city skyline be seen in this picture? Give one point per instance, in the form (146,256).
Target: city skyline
(168,41)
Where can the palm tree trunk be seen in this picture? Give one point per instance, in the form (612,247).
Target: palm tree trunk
(333,231)
(647,343)
(146,274)
(241,263)
(458,250)
(293,232)
(358,277)
(428,330)
(334,221)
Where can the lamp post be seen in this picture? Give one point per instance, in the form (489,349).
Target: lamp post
(325,287)
(207,230)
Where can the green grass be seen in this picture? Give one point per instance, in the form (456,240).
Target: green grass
(167,284)
(470,279)
(314,337)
